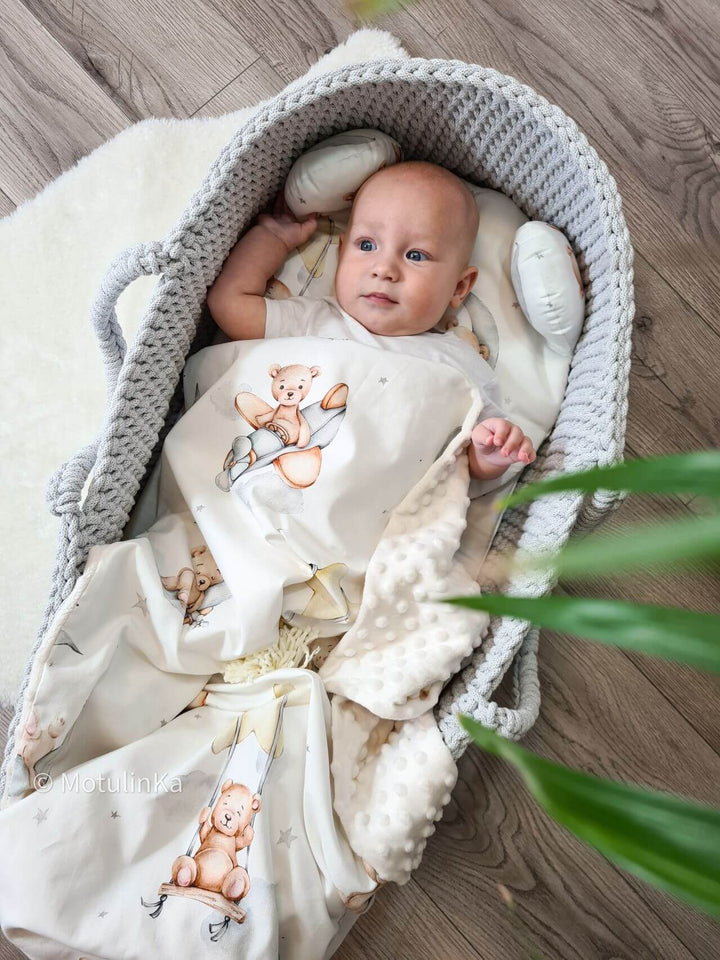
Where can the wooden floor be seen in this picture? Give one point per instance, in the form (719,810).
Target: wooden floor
(642,78)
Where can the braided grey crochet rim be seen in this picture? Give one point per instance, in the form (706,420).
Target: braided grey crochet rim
(486,127)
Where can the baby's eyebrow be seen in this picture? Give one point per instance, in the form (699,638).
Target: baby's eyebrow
(366,226)
(419,241)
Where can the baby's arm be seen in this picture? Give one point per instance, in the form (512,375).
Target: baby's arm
(236,299)
(487,461)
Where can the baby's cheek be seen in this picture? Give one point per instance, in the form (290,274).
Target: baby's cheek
(423,306)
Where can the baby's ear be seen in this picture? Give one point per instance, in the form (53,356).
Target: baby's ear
(464,286)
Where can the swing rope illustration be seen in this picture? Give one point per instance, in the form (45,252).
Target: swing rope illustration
(218,928)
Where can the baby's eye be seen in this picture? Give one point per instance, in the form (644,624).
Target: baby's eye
(416,255)
(367,246)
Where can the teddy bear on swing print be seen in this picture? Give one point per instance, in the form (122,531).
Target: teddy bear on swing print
(224,830)
(294,436)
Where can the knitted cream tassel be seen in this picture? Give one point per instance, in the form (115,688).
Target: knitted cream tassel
(291,650)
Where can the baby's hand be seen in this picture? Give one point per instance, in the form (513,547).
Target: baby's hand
(284,225)
(496,444)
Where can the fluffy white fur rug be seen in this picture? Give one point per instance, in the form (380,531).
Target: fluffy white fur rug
(54,250)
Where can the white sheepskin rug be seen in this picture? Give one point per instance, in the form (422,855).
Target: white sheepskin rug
(54,250)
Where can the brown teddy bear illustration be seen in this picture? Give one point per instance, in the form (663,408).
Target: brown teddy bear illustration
(36,743)
(223,831)
(190,584)
(290,385)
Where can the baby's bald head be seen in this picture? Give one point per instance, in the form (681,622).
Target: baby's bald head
(405,256)
(446,194)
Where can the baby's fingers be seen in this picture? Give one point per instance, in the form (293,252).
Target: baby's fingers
(500,429)
(481,436)
(308,227)
(526,452)
(513,441)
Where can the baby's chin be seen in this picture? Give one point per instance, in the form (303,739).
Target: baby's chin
(389,320)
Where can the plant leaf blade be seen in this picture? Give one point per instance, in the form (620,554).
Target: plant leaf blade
(687,636)
(372,9)
(646,546)
(696,473)
(668,841)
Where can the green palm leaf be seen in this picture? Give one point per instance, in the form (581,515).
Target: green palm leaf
(696,473)
(645,545)
(668,841)
(371,9)
(669,632)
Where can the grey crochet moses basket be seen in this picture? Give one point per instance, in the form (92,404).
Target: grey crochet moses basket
(484,126)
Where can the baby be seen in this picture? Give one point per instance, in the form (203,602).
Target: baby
(402,261)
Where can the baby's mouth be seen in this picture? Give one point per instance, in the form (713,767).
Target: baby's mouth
(377,297)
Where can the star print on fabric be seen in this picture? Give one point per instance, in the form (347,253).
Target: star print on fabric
(114,815)
(163,722)
(540,256)
(286,837)
(103,914)
(383,380)
(141,604)
(198,716)
(516,304)
(41,815)
(200,507)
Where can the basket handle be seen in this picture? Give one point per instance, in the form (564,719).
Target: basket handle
(514,722)
(65,486)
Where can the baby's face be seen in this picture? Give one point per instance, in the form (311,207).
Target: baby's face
(401,260)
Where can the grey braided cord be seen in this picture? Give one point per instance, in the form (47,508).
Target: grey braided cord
(486,127)
(65,485)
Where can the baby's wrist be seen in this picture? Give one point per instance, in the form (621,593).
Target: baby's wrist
(284,247)
(484,466)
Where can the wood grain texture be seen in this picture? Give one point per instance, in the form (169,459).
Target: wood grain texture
(6,204)
(630,79)
(161,60)
(255,84)
(641,78)
(51,112)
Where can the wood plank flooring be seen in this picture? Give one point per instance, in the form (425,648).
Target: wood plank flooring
(642,78)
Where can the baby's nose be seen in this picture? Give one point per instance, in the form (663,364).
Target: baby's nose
(386,270)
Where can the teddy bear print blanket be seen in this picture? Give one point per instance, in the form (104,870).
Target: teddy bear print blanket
(157,810)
